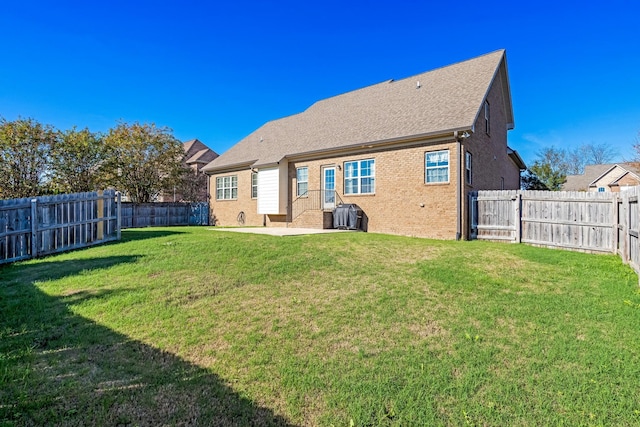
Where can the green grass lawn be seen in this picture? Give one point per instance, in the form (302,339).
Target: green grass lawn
(185,326)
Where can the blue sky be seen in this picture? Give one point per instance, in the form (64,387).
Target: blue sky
(218,70)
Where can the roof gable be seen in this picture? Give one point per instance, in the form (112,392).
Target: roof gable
(435,102)
(616,171)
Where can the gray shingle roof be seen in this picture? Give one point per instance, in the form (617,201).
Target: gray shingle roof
(448,99)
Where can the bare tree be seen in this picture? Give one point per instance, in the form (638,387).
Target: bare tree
(588,154)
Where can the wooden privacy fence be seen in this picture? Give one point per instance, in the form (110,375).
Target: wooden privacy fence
(583,221)
(136,215)
(33,227)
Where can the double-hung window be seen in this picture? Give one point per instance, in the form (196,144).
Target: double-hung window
(302,178)
(487,117)
(436,166)
(360,177)
(227,187)
(254,185)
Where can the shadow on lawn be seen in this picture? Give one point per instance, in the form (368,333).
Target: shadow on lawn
(57,368)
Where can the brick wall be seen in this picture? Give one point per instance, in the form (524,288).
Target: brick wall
(402,202)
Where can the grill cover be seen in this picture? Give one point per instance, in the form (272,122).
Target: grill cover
(347,216)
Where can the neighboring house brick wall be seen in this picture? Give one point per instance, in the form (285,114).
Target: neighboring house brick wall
(626,181)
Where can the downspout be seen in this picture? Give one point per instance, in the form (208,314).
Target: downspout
(458,190)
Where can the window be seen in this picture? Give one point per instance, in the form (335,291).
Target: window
(360,177)
(227,187)
(302,177)
(437,166)
(486,116)
(502,182)
(600,189)
(254,185)
(467,167)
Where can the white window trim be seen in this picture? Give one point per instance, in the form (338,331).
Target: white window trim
(426,168)
(254,185)
(487,117)
(360,177)
(468,164)
(298,181)
(220,185)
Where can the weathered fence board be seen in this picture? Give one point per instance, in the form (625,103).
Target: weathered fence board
(576,220)
(584,221)
(50,224)
(137,215)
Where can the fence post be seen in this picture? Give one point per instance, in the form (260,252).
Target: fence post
(627,234)
(616,236)
(34,228)
(100,231)
(118,214)
(518,217)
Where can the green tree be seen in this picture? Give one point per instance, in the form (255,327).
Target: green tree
(550,168)
(77,160)
(530,181)
(143,160)
(24,157)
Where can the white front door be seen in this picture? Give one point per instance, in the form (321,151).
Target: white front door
(328,187)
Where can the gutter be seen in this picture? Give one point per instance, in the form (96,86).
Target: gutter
(380,144)
(458,189)
(459,136)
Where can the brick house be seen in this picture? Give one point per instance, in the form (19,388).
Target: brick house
(613,177)
(407,152)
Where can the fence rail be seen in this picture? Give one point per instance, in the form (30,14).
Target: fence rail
(137,215)
(48,224)
(583,221)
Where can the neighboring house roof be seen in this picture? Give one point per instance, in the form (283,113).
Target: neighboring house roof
(594,173)
(582,181)
(203,156)
(197,152)
(428,104)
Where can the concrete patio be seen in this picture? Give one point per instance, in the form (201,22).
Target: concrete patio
(278,231)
